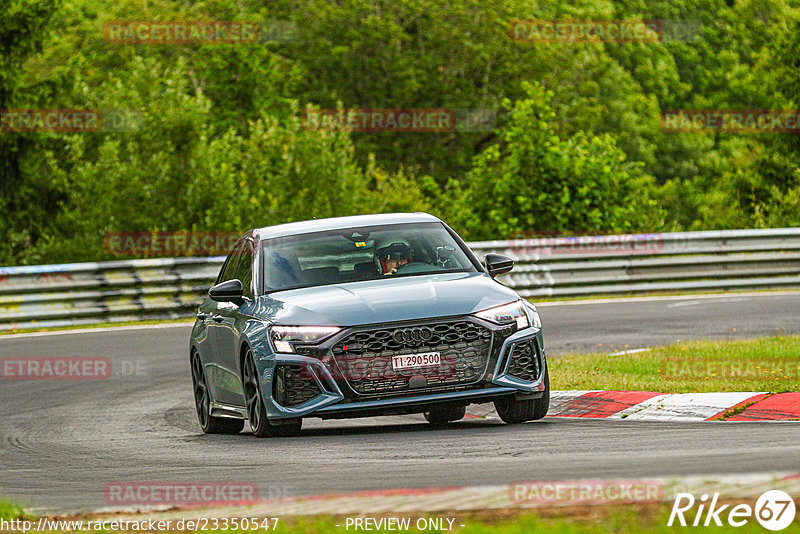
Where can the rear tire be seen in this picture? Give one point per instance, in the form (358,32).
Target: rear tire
(513,411)
(256,412)
(439,415)
(202,403)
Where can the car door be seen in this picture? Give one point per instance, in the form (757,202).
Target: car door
(233,319)
(219,377)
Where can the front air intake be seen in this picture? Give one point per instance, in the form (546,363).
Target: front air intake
(524,361)
(293,385)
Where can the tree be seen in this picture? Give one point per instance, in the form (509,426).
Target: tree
(24,200)
(535,180)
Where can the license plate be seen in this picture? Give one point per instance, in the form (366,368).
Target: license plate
(409,361)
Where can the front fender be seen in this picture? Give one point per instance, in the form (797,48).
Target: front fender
(266,359)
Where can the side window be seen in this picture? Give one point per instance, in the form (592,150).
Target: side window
(244,271)
(231,264)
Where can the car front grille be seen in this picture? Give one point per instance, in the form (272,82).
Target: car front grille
(524,362)
(364,357)
(293,385)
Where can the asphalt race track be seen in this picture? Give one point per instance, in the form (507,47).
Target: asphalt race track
(61,442)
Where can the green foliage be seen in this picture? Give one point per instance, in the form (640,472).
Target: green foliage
(177,171)
(536,180)
(10,510)
(217,141)
(23,26)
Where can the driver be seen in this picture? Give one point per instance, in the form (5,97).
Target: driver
(390,257)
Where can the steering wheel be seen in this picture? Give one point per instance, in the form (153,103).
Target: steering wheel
(416,267)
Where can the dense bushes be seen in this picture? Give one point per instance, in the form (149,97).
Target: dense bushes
(217,140)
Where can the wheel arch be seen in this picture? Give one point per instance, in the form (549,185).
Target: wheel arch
(244,346)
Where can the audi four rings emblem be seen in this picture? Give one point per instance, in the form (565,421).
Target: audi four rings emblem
(412,335)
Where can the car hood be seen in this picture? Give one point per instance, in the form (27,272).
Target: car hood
(385,300)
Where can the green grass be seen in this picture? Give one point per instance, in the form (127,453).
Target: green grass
(9,510)
(650,518)
(765,364)
(623,521)
(588,520)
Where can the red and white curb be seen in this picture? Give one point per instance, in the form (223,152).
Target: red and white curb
(522,494)
(652,406)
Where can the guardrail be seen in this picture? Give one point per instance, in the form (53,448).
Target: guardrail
(726,260)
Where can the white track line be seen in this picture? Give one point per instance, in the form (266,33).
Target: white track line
(683,406)
(698,302)
(632,351)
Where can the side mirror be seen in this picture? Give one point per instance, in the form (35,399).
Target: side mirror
(498,264)
(228,291)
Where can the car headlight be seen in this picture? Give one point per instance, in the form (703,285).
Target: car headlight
(534,315)
(507,314)
(285,337)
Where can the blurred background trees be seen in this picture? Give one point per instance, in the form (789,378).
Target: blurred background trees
(216,142)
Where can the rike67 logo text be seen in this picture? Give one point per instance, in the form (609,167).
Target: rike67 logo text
(774,510)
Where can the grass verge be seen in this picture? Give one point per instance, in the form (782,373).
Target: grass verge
(645,518)
(9,510)
(613,519)
(769,364)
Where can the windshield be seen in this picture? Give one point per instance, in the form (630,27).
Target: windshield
(357,254)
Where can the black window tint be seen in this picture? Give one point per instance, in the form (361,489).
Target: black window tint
(244,271)
(229,270)
(359,254)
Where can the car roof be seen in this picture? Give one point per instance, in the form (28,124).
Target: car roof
(334,223)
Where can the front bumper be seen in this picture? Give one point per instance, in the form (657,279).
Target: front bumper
(335,399)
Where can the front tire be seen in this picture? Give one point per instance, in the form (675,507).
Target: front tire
(439,415)
(202,403)
(256,412)
(543,402)
(513,411)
